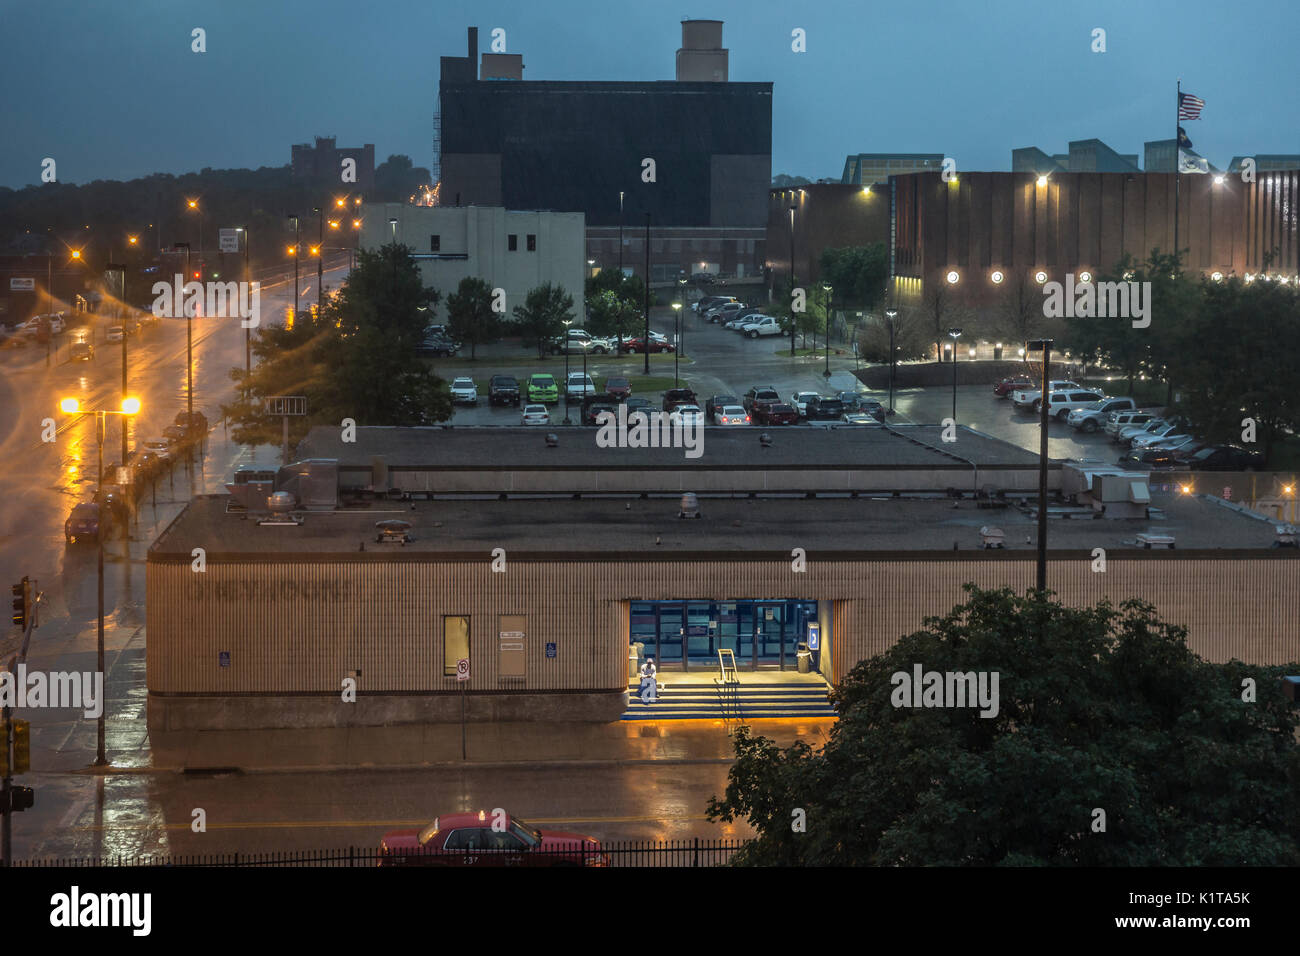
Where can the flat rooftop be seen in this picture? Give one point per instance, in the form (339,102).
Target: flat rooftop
(635,528)
(495,448)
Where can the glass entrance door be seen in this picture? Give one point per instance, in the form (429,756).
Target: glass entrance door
(770,635)
(671,628)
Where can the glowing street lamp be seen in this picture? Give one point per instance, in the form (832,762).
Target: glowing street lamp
(72,406)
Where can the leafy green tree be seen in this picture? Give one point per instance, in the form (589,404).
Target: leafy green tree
(470,317)
(1098,707)
(357,359)
(397,179)
(858,274)
(616,304)
(542,316)
(1233,363)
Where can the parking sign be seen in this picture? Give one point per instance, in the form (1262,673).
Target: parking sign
(462,669)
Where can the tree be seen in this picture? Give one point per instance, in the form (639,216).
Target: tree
(1020,317)
(397,179)
(615,302)
(470,316)
(938,311)
(858,274)
(1097,707)
(541,317)
(789,307)
(357,359)
(785,181)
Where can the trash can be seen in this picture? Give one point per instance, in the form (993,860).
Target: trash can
(634,661)
(804,656)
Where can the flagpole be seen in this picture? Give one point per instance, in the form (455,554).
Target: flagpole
(1178,158)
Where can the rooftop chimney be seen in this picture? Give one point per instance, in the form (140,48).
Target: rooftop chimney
(702,58)
(473,44)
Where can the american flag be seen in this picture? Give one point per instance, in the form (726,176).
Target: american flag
(1189,106)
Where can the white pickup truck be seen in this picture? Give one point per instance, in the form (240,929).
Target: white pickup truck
(1025,398)
(764,325)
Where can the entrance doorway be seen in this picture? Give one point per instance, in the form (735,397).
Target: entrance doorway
(686,635)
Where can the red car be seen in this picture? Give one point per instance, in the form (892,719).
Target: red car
(1008,385)
(638,345)
(487,839)
(775,413)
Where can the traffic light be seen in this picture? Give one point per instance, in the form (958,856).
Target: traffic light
(22,748)
(20,798)
(22,602)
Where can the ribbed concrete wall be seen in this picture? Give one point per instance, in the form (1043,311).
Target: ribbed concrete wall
(301,626)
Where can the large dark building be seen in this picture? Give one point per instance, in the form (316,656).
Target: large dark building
(322,164)
(583,146)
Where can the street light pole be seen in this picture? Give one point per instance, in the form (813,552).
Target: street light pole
(620,233)
(121,291)
(566,323)
(954,334)
(320,257)
(189,338)
(248,341)
(793,207)
(645,342)
(1045,345)
(681,312)
(890,315)
(827,304)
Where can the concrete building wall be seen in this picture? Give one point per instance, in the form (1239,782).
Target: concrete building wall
(294,627)
(474,241)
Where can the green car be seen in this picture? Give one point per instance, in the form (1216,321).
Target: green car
(542,388)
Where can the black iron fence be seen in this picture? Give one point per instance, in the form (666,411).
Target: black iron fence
(673,853)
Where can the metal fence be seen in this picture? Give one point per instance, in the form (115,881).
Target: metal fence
(673,853)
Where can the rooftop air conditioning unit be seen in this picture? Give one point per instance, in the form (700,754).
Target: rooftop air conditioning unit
(1148,540)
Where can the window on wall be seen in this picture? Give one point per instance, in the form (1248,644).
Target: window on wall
(512,242)
(435,243)
(455,643)
(532,243)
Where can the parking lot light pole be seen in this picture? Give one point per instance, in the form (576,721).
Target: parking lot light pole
(677,330)
(565,346)
(645,342)
(189,337)
(954,334)
(121,300)
(826,305)
(71,406)
(890,316)
(1045,346)
(681,298)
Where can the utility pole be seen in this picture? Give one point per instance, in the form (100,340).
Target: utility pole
(646,341)
(320,257)
(1045,345)
(121,298)
(189,339)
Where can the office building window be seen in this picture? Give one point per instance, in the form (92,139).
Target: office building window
(455,643)
(512,242)
(435,243)
(532,243)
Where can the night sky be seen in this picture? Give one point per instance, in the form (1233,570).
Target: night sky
(113,91)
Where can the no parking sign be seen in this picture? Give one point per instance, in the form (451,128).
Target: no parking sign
(462,669)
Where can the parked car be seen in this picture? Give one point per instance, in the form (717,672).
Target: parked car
(195,424)
(577,341)
(1146,436)
(679,396)
(1060,403)
(464,391)
(111,500)
(177,436)
(1220,458)
(503,390)
(725,311)
(800,401)
(114,334)
(712,405)
(709,301)
(535,415)
(592,410)
(1006,386)
(775,413)
(636,404)
(579,385)
(759,394)
(858,402)
(82,523)
(146,464)
(638,345)
(158,446)
(81,352)
(438,345)
(731,415)
(689,414)
(1153,459)
(1117,421)
(1172,438)
(480,839)
(822,408)
(1027,398)
(859,418)
(1129,432)
(765,325)
(619,387)
(1090,416)
(542,388)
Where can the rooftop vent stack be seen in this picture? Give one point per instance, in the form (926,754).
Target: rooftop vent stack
(702,58)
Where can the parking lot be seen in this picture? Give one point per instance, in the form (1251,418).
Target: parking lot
(717,361)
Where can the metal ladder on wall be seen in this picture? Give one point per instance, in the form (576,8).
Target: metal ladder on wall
(728,686)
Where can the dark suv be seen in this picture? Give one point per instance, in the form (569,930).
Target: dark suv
(503,390)
(823,409)
(678,396)
(760,395)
